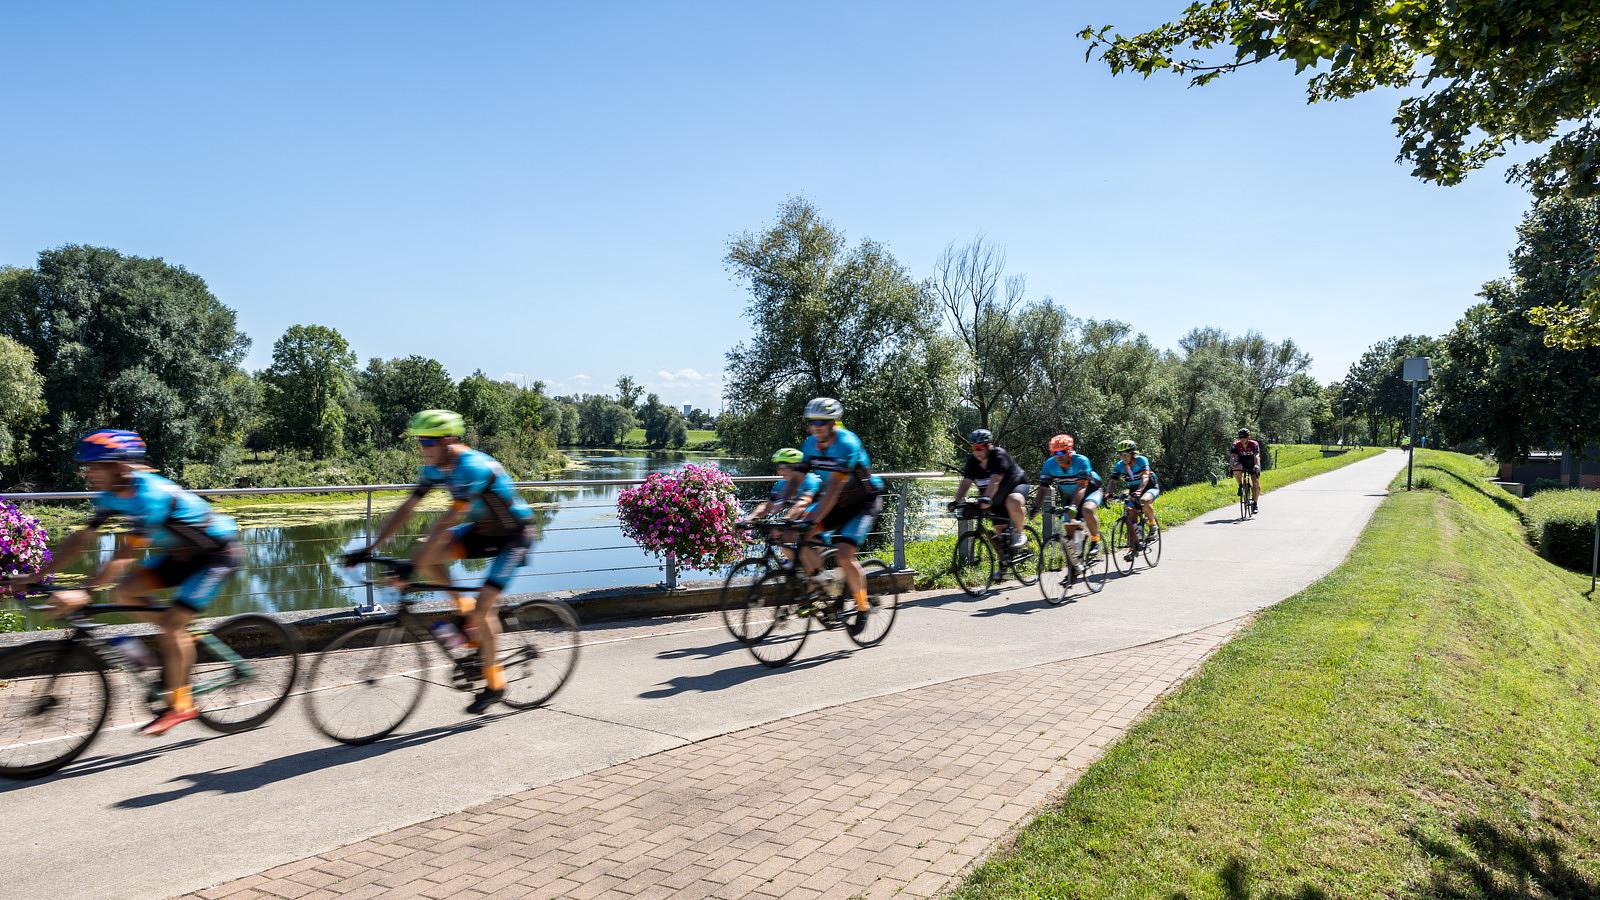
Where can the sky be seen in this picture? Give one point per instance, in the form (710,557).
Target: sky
(547,192)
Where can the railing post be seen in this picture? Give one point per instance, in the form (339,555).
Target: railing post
(900,527)
(372,602)
(672,572)
(1047,506)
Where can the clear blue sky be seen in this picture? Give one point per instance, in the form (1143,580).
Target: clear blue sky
(548,190)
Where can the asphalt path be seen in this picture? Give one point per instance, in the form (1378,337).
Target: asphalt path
(139,817)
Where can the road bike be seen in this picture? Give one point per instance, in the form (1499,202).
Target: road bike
(980,561)
(1247,507)
(747,570)
(56,693)
(1066,562)
(1132,537)
(369,680)
(782,606)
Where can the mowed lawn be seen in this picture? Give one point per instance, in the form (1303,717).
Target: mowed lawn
(1421,723)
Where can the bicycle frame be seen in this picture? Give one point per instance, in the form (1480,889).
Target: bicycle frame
(86,632)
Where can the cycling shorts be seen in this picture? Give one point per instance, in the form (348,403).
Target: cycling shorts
(1096,496)
(509,551)
(851,525)
(197,576)
(1150,495)
(1249,464)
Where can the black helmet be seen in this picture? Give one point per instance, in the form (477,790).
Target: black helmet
(981,436)
(1244,432)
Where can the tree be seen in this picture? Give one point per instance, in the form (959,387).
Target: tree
(629,392)
(489,406)
(561,417)
(1375,388)
(399,388)
(1202,387)
(1480,76)
(312,371)
(841,322)
(1499,382)
(21,395)
(122,341)
(663,425)
(986,312)
(603,422)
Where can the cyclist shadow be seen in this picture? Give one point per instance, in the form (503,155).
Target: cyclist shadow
(96,764)
(709,651)
(726,678)
(957,596)
(240,781)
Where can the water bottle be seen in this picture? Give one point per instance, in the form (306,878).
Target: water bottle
(447,634)
(135,650)
(832,582)
(1078,539)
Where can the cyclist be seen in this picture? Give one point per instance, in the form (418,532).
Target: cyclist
(498,524)
(851,497)
(1134,471)
(1245,458)
(1000,481)
(788,461)
(195,551)
(1068,470)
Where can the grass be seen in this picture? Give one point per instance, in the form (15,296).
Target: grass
(1418,723)
(1563,526)
(697,437)
(931,558)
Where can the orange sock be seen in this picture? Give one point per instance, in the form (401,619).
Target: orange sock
(465,605)
(493,678)
(861,600)
(181,699)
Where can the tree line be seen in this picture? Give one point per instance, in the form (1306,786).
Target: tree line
(90,337)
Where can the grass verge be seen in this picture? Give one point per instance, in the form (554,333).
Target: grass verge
(931,558)
(1418,723)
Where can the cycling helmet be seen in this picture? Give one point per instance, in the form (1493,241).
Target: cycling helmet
(1062,442)
(981,436)
(788,456)
(825,408)
(110,445)
(436,423)
(1127,447)
(1244,432)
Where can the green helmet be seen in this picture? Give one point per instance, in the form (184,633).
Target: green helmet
(436,423)
(1126,446)
(788,456)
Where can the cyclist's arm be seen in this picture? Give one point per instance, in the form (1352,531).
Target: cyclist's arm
(402,514)
(433,553)
(121,558)
(830,496)
(68,550)
(962,488)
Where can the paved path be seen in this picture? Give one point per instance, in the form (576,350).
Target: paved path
(673,753)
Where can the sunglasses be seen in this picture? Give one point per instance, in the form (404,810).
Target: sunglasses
(429,442)
(981,446)
(814,423)
(1060,452)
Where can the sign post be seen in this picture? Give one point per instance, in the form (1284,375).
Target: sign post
(1416,370)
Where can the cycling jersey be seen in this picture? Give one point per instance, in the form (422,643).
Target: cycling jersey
(1079,471)
(479,481)
(999,465)
(810,486)
(1131,475)
(1246,452)
(166,515)
(843,455)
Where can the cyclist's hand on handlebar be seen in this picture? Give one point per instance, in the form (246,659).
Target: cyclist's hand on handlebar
(63,603)
(953,505)
(356,557)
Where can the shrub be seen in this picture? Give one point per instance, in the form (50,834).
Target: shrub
(688,514)
(1563,526)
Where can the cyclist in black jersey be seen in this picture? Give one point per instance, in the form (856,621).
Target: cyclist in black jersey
(1000,482)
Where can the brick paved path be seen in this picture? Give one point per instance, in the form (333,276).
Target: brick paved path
(894,795)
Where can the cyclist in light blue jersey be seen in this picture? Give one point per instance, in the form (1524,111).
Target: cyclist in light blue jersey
(193,550)
(1071,473)
(486,520)
(1133,469)
(851,498)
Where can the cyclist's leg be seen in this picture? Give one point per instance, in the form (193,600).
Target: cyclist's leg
(1086,512)
(1255,484)
(847,540)
(1148,503)
(1016,506)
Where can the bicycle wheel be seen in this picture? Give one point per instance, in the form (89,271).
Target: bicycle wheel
(54,697)
(883,598)
(975,564)
(735,588)
(1096,570)
(1152,545)
(1244,501)
(1025,562)
(1119,546)
(538,649)
(772,610)
(243,671)
(1056,578)
(365,683)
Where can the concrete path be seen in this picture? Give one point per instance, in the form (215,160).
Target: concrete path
(587,782)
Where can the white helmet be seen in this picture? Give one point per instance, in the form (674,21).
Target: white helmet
(825,408)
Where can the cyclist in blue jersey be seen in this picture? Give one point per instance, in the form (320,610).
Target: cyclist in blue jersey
(1133,469)
(194,551)
(486,520)
(804,485)
(1071,473)
(851,499)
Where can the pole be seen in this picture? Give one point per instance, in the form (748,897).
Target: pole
(1594,567)
(900,528)
(1411,451)
(371,601)
(672,572)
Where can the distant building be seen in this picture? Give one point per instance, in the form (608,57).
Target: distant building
(688,408)
(1555,466)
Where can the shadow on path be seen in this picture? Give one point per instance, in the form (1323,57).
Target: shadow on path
(94,765)
(239,781)
(1234,879)
(709,651)
(726,678)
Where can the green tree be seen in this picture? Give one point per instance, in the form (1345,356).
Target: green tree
(629,392)
(1478,76)
(603,422)
(1376,390)
(21,395)
(399,388)
(312,372)
(489,406)
(663,425)
(122,341)
(561,417)
(831,320)
(1202,387)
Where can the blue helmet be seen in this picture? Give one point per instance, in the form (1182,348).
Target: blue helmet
(110,445)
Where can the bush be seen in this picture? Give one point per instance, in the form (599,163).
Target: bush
(689,514)
(1563,526)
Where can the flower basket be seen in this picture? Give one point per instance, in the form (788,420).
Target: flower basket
(688,515)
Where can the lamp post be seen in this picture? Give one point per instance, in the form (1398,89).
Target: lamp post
(1416,370)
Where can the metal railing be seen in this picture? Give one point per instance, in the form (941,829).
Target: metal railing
(899,483)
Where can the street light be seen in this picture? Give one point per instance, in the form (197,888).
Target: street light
(1416,370)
